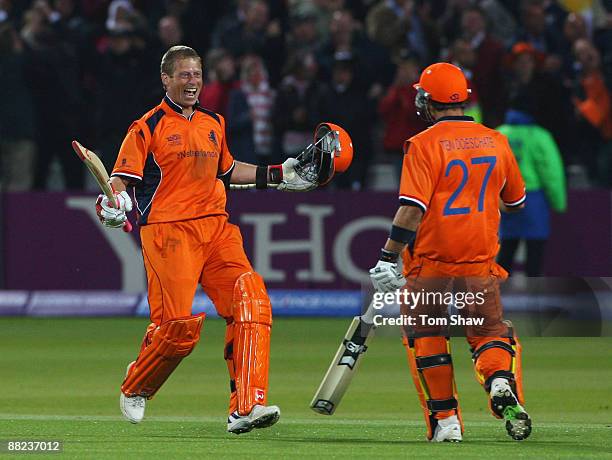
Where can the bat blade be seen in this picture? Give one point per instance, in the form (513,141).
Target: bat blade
(98,171)
(343,367)
(96,167)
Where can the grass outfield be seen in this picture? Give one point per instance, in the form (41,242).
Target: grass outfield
(59,379)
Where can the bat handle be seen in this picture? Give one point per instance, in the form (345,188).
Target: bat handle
(127,226)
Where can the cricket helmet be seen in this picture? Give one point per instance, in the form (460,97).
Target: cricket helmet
(330,152)
(442,84)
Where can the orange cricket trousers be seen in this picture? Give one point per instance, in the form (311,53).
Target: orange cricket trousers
(179,255)
(483,278)
(209,251)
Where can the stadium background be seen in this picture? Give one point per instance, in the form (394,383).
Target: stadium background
(85,69)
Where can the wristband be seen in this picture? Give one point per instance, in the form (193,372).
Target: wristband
(261,177)
(402,235)
(265,175)
(388,256)
(275,174)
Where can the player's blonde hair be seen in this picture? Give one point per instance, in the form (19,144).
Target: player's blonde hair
(175,53)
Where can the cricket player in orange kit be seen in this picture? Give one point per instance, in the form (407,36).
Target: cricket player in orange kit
(454,175)
(177,159)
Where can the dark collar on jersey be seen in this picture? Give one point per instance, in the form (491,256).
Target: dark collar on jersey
(177,108)
(455,118)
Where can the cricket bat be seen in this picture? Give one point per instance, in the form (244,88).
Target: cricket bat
(344,365)
(98,171)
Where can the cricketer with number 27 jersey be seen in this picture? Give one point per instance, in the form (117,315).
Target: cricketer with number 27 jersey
(456,171)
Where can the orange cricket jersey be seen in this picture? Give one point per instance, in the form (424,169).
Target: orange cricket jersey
(456,171)
(176,163)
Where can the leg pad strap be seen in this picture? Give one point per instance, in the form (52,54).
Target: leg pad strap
(499,374)
(492,344)
(425,362)
(440,405)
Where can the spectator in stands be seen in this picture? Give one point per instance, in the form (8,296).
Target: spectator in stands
(324,10)
(555,13)
(198,19)
(349,106)
(122,16)
(221,68)
(299,104)
(404,24)
(544,38)
(463,56)
(503,23)
(388,23)
(594,112)
(74,30)
(397,109)
(52,74)
(17,146)
(449,22)
(574,28)
(487,77)
(250,114)
(527,80)
(169,32)
(119,103)
(542,169)
(233,20)
(602,37)
(424,36)
(6,8)
(256,34)
(69,25)
(374,68)
(304,35)
(501,19)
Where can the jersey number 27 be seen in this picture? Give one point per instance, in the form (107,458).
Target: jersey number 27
(490,162)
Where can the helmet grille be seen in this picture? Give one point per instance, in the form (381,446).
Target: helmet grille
(316,162)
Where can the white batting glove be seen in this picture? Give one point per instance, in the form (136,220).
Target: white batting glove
(386,277)
(291,182)
(111,216)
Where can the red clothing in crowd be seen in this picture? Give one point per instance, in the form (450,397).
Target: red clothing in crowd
(399,114)
(488,80)
(215,96)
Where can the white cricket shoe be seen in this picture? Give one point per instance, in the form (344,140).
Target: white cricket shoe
(505,404)
(132,408)
(260,417)
(448,430)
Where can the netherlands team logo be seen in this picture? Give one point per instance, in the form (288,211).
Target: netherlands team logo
(213,137)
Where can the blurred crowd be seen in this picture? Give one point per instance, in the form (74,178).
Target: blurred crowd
(86,68)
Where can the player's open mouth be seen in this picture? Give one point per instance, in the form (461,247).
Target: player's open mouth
(190,92)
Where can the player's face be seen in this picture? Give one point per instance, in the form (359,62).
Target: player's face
(185,84)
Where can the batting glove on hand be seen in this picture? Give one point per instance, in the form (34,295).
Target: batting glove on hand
(111,216)
(386,278)
(291,182)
